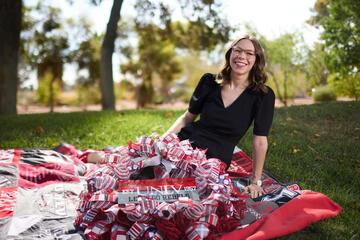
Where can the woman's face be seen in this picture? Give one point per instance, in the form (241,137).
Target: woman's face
(242,57)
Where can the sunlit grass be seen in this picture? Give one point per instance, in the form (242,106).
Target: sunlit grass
(317,146)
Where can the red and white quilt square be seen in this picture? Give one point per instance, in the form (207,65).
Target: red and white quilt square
(8,201)
(9,156)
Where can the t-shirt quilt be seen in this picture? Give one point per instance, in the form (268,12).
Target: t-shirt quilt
(153,188)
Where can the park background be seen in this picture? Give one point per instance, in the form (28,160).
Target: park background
(151,54)
(154,52)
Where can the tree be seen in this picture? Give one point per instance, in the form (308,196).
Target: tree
(10,27)
(49,49)
(340,21)
(320,10)
(346,85)
(195,64)
(156,55)
(315,68)
(283,63)
(198,12)
(107,49)
(342,35)
(28,23)
(88,55)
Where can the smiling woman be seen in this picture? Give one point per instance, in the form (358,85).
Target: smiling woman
(228,103)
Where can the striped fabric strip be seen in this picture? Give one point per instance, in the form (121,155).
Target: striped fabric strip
(184,218)
(137,229)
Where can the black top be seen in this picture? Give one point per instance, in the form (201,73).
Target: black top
(219,129)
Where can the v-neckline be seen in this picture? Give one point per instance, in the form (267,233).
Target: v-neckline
(222,100)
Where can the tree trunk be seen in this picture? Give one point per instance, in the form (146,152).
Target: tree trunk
(51,94)
(107,49)
(277,87)
(285,88)
(10,27)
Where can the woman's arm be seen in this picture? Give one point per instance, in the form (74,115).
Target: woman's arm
(260,145)
(184,119)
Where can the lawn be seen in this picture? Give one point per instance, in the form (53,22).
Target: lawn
(316,146)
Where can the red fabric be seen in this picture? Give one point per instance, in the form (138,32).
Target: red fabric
(9,156)
(43,174)
(300,212)
(8,200)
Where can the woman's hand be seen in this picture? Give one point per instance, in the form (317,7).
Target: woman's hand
(254,190)
(96,157)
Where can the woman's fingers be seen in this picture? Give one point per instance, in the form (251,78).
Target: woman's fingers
(254,194)
(96,157)
(255,191)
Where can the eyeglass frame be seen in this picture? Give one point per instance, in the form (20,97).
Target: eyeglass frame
(248,53)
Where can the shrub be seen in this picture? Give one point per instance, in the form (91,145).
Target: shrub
(324,94)
(26,97)
(144,94)
(124,90)
(346,85)
(88,94)
(43,91)
(183,94)
(69,98)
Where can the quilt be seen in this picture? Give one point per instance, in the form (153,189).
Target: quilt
(56,194)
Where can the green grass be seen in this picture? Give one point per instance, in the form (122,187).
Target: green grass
(317,146)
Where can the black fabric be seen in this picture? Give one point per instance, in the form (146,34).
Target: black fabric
(219,129)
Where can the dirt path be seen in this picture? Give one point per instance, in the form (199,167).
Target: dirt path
(126,104)
(120,105)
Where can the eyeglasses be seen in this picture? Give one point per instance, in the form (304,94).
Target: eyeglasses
(238,51)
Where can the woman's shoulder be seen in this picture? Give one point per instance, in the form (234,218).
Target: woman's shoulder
(209,79)
(267,93)
(268,96)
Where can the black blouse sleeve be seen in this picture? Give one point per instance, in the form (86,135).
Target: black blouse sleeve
(264,114)
(204,86)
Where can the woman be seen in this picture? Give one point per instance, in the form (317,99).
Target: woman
(227,104)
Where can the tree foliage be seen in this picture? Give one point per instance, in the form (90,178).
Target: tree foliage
(87,57)
(195,64)
(43,94)
(320,10)
(283,64)
(86,49)
(348,85)
(156,55)
(315,68)
(342,35)
(48,48)
(28,23)
(340,21)
(205,23)
(204,27)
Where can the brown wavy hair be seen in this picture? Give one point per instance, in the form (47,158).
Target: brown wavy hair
(257,75)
